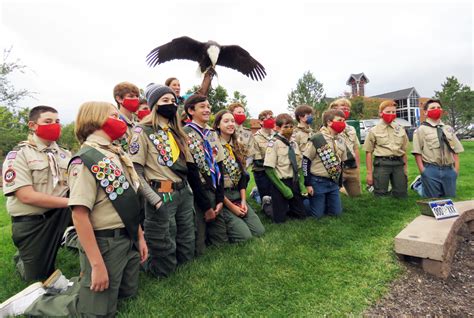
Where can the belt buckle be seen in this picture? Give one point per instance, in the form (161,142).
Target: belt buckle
(165,186)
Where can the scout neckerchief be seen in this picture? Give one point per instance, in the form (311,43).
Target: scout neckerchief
(116,186)
(330,161)
(53,163)
(231,164)
(169,154)
(350,163)
(291,155)
(443,140)
(211,163)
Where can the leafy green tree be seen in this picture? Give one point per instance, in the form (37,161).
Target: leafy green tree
(9,95)
(68,138)
(13,128)
(458,102)
(357,109)
(217,97)
(308,91)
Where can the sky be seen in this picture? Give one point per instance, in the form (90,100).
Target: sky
(77,51)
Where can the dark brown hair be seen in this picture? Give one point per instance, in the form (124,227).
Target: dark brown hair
(191,101)
(36,112)
(233,106)
(283,119)
(431,101)
(264,114)
(330,114)
(124,88)
(302,110)
(169,80)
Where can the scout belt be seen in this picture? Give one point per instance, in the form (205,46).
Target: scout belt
(167,185)
(111,233)
(26,218)
(329,159)
(116,186)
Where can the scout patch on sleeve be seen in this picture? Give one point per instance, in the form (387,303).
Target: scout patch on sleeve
(9,175)
(11,155)
(76,161)
(134,147)
(137,129)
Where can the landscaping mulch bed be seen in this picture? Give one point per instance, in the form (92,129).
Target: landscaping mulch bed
(420,294)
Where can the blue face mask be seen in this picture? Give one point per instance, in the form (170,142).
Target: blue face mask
(309,119)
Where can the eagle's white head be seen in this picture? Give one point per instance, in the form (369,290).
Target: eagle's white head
(213,52)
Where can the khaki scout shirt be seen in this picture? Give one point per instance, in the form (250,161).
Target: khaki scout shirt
(231,166)
(426,143)
(302,135)
(85,191)
(246,138)
(124,141)
(143,151)
(29,166)
(350,139)
(337,145)
(261,141)
(196,148)
(277,157)
(386,140)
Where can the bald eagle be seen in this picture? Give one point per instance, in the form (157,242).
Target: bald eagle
(208,55)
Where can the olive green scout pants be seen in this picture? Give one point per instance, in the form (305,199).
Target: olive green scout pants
(390,171)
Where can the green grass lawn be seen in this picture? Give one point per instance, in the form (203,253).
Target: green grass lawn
(334,266)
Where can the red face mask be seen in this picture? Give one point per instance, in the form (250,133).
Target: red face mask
(388,118)
(239,118)
(435,114)
(269,123)
(114,128)
(142,113)
(338,126)
(49,132)
(347,114)
(131,104)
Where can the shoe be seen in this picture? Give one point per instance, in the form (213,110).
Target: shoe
(267,206)
(415,182)
(17,304)
(56,282)
(255,195)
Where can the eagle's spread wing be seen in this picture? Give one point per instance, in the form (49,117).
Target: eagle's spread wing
(179,48)
(235,57)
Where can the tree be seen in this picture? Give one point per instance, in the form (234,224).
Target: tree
(9,96)
(217,97)
(310,92)
(357,109)
(458,101)
(68,138)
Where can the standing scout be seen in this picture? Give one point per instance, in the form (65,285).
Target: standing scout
(283,167)
(162,160)
(322,165)
(34,181)
(244,134)
(126,96)
(143,109)
(303,131)
(241,220)
(208,155)
(351,167)
(387,142)
(436,150)
(105,213)
(262,137)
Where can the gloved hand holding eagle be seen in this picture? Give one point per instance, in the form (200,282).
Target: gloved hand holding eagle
(208,55)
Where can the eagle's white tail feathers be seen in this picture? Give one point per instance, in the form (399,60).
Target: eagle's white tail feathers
(213,52)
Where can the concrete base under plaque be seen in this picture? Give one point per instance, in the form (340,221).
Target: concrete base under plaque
(433,243)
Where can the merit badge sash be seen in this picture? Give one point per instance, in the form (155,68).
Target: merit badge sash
(330,161)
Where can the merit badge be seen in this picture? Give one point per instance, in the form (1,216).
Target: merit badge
(104,183)
(109,189)
(102,164)
(125,185)
(95,169)
(119,191)
(113,196)
(10,175)
(100,175)
(134,148)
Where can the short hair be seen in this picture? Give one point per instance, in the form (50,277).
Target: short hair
(233,106)
(124,88)
(142,101)
(431,101)
(91,117)
(169,80)
(191,101)
(283,119)
(302,110)
(36,112)
(343,101)
(264,114)
(386,103)
(330,114)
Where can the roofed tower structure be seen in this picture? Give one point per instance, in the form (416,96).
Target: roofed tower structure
(357,83)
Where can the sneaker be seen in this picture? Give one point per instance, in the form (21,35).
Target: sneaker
(266,200)
(56,282)
(415,182)
(17,304)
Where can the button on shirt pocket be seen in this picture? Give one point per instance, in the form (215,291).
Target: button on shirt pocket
(382,138)
(39,171)
(432,141)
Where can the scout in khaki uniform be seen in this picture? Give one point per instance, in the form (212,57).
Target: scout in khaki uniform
(34,181)
(322,165)
(159,151)
(244,134)
(208,155)
(241,220)
(262,137)
(385,147)
(283,167)
(126,96)
(143,109)
(303,131)
(105,213)
(351,167)
(436,150)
